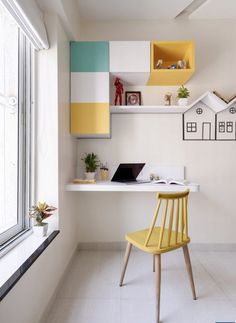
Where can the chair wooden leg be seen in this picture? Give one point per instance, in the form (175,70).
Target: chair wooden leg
(126,259)
(158,286)
(153,268)
(189,269)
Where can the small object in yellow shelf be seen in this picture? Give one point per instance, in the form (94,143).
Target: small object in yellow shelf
(181,64)
(159,63)
(104,173)
(172,67)
(83,181)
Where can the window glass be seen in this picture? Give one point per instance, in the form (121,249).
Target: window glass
(15,129)
(8,120)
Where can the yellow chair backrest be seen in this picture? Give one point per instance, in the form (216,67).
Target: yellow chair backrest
(174,219)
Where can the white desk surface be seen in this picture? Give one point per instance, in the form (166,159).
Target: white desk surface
(122,187)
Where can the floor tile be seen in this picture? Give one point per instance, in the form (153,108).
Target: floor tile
(94,275)
(90,292)
(85,311)
(221,266)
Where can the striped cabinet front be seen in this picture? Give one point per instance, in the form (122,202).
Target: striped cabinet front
(90,115)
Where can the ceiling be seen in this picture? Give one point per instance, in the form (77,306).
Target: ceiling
(123,10)
(216,9)
(131,9)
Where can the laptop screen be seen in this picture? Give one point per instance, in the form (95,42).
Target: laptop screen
(127,172)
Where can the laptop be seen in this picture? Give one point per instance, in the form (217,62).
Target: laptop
(128,173)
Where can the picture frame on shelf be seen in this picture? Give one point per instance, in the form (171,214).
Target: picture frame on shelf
(133,98)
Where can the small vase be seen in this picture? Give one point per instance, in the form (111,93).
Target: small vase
(89,175)
(104,174)
(183,101)
(41,230)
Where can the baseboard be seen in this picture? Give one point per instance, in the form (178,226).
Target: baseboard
(120,245)
(59,285)
(213,246)
(113,245)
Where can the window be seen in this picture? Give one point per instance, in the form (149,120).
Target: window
(199,111)
(221,126)
(232,110)
(191,126)
(15,112)
(229,126)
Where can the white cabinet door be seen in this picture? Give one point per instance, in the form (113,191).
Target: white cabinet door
(129,56)
(89,87)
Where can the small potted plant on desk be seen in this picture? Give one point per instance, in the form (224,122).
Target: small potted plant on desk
(39,213)
(91,164)
(183,94)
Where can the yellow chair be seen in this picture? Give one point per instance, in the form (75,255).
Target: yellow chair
(172,233)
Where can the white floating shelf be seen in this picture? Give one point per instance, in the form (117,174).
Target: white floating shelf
(123,187)
(148,109)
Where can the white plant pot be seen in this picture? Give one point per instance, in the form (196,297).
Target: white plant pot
(183,101)
(41,230)
(89,175)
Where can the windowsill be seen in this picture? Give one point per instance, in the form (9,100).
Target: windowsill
(17,261)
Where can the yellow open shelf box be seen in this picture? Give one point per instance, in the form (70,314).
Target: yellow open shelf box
(170,52)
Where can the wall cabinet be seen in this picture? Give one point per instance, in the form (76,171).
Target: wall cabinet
(89,56)
(130,60)
(90,116)
(170,52)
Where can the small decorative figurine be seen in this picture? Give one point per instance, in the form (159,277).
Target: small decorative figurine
(119,90)
(182,64)
(167,98)
(172,67)
(154,177)
(159,63)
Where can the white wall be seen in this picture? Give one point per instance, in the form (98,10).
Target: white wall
(67,10)
(27,301)
(158,139)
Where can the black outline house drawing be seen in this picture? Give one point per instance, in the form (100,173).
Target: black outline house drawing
(226,123)
(210,118)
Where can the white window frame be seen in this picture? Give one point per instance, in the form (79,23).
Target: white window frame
(16,233)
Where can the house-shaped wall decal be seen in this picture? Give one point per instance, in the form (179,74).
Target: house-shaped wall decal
(210,118)
(226,123)
(200,118)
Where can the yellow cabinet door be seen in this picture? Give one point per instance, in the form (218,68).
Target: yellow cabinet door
(90,120)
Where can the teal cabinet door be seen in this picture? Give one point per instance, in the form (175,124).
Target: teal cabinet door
(89,56)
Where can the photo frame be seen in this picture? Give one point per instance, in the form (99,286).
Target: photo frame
(132,98)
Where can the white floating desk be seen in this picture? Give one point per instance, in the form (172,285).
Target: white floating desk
(122,187)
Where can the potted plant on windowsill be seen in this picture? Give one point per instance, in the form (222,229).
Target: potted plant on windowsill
(91,164)
(39,213)
(183,94)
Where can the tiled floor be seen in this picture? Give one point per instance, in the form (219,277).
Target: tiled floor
(91,292)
